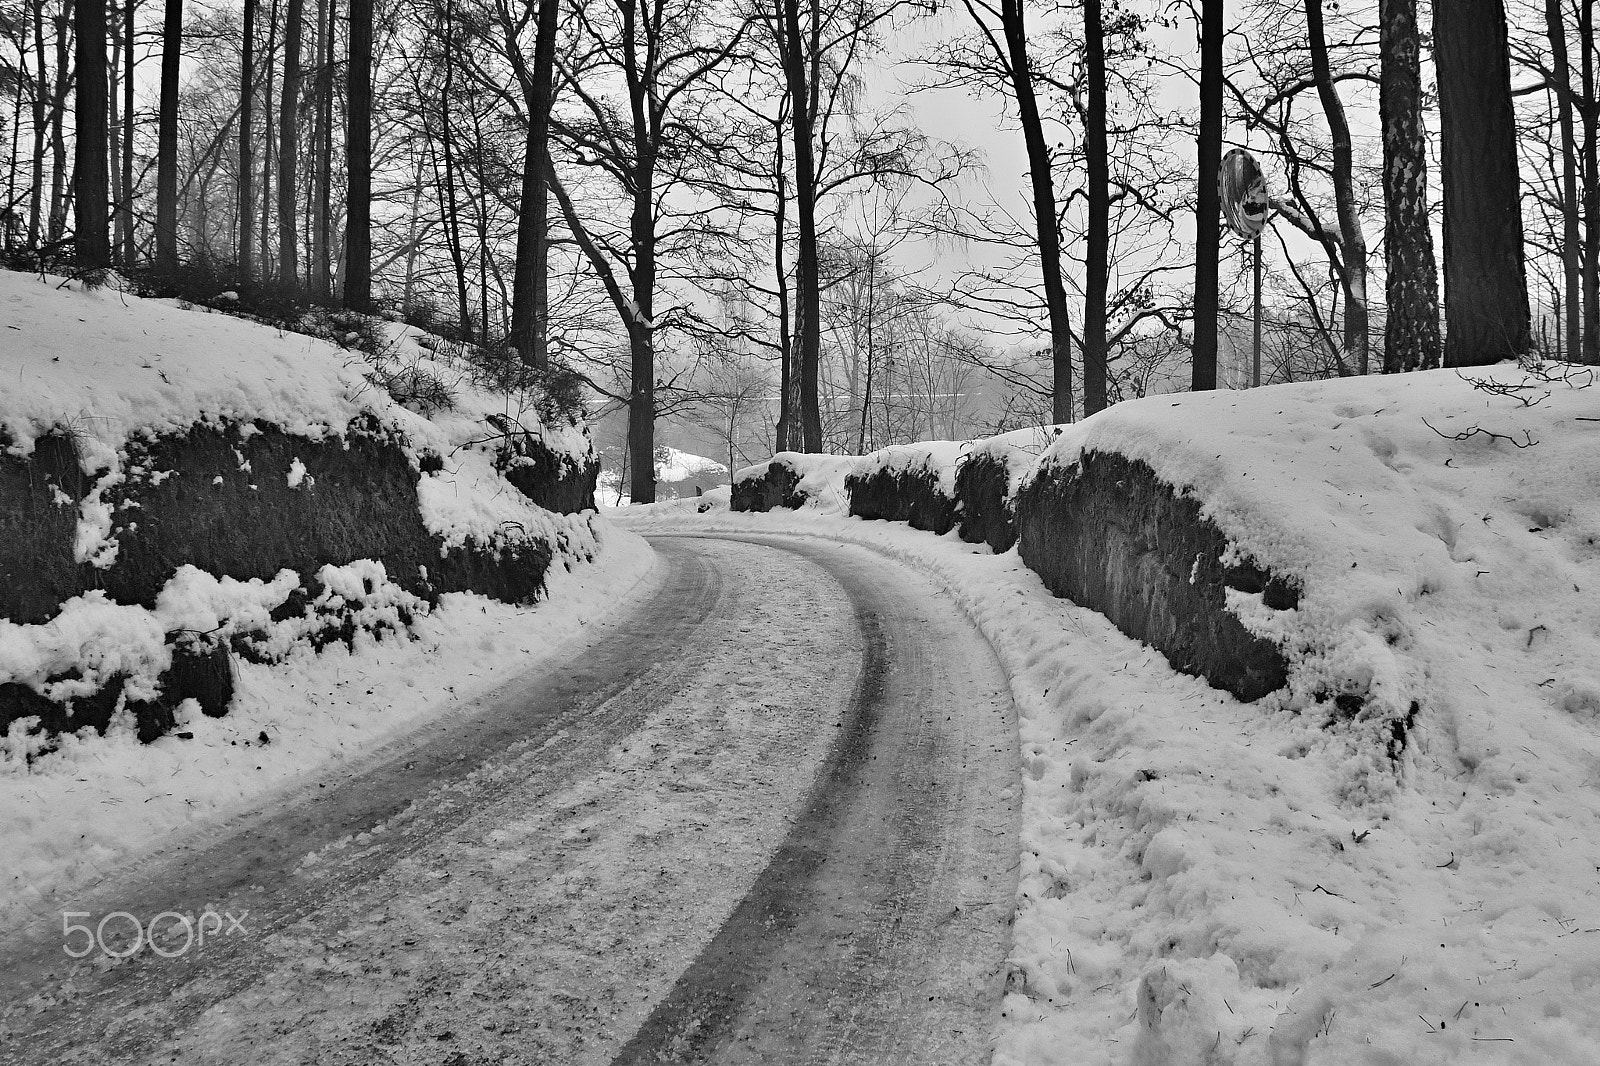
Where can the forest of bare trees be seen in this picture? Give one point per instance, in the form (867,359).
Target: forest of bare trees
(754,216)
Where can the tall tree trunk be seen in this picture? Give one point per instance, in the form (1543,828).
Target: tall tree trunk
(1042,184)
(1353,241)
(452,216)
(808,287)
(167,142)
(358,152)
(1097,268)
(40,128)
(641,332)
(480,218)
(90,185)
(288,149)
(1208,202)
(1411,331)
(787,437)
(58,138)
(1571,243)
(268,142)
(119,205)
(127,231)
(1591,186)
(322,147)
(14,170)
(247,166)
(529,286)
(1485,281)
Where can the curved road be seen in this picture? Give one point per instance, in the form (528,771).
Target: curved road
(769,815)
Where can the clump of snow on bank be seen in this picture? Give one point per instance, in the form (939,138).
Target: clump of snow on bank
(93,638)
(1018,449)
(821,478)
(95,803)
(937,459)
(675,465)
(1207,881)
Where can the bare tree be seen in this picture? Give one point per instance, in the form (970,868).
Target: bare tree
(639,121)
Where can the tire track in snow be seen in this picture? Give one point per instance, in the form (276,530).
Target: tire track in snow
(879,931)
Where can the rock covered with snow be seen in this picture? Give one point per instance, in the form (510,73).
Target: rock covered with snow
(793,480)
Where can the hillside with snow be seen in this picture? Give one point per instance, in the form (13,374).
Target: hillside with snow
(112,373)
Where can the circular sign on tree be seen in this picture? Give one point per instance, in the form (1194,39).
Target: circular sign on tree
(1245,203)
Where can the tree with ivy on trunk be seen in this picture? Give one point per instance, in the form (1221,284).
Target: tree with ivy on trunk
(1411,330)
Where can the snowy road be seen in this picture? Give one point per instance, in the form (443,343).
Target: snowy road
(768,815)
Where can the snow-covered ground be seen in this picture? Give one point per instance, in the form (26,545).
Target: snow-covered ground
(1207,881)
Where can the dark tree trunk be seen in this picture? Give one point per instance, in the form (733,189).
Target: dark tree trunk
(788,437)
(113,135)
(1485,281)
(452,216)
(90,177)
(1591,187)
(1571,243)
(322,227)
(1042,185)
(358,152)
(40,124)
(1097,269)
(247,94)
(529,285)
(1411,331)
(126,231)
(807,283)
(1208,202)
(58,137)
(288,148)
(1353,240)
(167,141)
(268,142)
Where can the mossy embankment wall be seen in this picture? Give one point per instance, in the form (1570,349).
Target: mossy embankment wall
(246,501)
(1107,533)
(1104,531)
(983,501)
(912,495)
